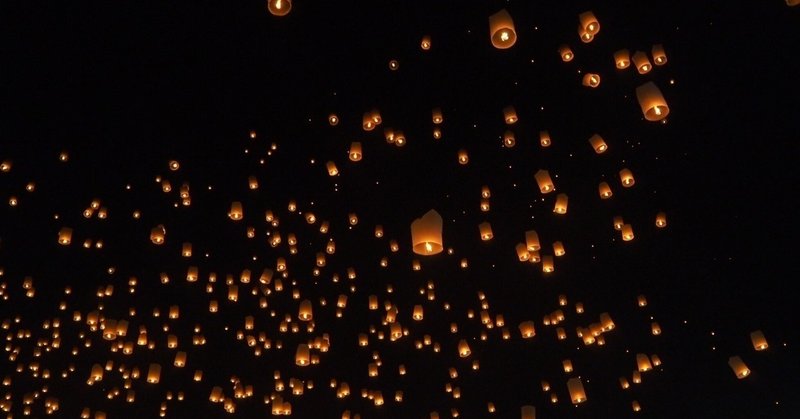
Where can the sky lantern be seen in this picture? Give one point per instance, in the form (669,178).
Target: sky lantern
(485,229)
(643,362)
(591,80)
(426,234)
(585,36)
(236,213)
(544,139)
(661,219)
(738,366)
(332,170)
(305,312)
(627,232)
(626,177)
(425,43)
(302,355)
(157,234)
(659,55)
(367,122)
(532,241)
(501,30)
(641,62)
(604,190)
(436,116)
(463,348)
(561,204)
(576,391)
(355,151)
(758,340)
(65,236)
(509,140)
(510,115)
(527,329)
(589,22)
(333,120)
(654,107)
(598,144)
(558,249)
(622,59)
(566,53)
(527,412)
(463,157)
(544,181)
(154,373)
(279,7)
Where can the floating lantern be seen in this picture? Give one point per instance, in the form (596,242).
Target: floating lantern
(463,348)
(501,30)
(566,53)
(654,107)
(591,80)
(532,241)
(738,366)
(235,213)
(544,181)
(643,363)
(589,22)
(622,59)
(510,115)
(561,204)
(659,56)
(759,341)
(528,412)
(333,120)
(425,44)
(154,373)
(436,115)
(604,190)
(585,36)
(157,234)
(558,249)
(366,122)
(485,230)
(509,140)
(544,139)
(426,234)
(598,144)
(641,62)
(394,65)
(547,264)
(627,232)
(355,151)
(279,7)
(65,236)
(417,313)
(626,177)
(332,170)
(576,391)
(661,220)
(527,329)
(463,157)
(305,312)
(302,355)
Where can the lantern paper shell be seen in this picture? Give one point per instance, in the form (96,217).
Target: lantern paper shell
(759,341)
(236,213)
(641,62)
(501,30)
(426,234)
(661,220)
(622,59)
(626,177)
(643,363)
(528,412)
(279,7)
(566,53)
(544,139)
(576,391)
(589,22)
(527,329)
(532,241)
(598,144)
(425,44)
(302,355)
(604,190)
(591,80)
(738,366)
(627,232)
(485,230)
(332,170)
(561,204)
(509,140)
(355,151)
(654,107)
(463,349)
(544,181)
(659,55)
(510,115)
(65,236)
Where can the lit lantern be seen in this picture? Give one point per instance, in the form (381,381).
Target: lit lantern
(302,356)
(591,80)
(627,232)
(157,234)
(626,177)
(375,115)
(576,391)
(352,218)
(791,3)
(463,157)
(527,329)
(759,341)
(154,373)
(186,250)
(426,234)
(604,190)
(394,65)
(661,220)
(235,212)
(643,363)
(501,30)
(437,133)
(636,406)
(585,36)
(544,139)
(532,241)
(561,204)
(333,119)
(252,182)
(366,122)
(485,205)
(332,170)
(486,231)
(622,59)
(654,107)
(547,264)
(659,55)
(558,249)
(641,300)
(305,311)
(544,181)
(527,412)
(279,7)
(510,115)
(623,382)
(641,62)
(463,348)
(486,193)
(598,144)
(65,236)
(522,252)
(566,53)
(417,313)
(509,140)
(425,44)
(618,223)
(436,115)
(589,23)
(355,151)
(738,366)
(180,359)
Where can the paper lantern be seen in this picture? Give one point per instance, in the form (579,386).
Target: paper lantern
(659,56)
(510,115)
(622,59)
(486,192)
(501,30)
(157,234)
(235,213)
(558,249)
(544,181)
(509,140)
(654,107)
(333,120)
(641,62)
(532,241)
(302,355)
(154,373)
(643,362)
(738,366)
(394,65)
(584,35)
(618,223)
(485,205)
(623,382)
(661,220)
(367,123)
(627,232)
(547,264)
(65,236)
(180,359)
(604,190)
(426,234)
(355,151)
(641,301)
(759,341)
(332,170)
(598,144)
(566,53)
(561,204)
(576,391)
(437,133)
(791,3)
(522,252)
(527,329)
(485,230)
(591,80)
(417,313)
(589,22)
(436,115)
(305,312)
(636,406)
(279,7)
(544,139)
(463,349)
(425,44)
(528,412)
(463,157)
(626,177)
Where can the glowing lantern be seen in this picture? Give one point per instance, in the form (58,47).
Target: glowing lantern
(65,236)
(436,115)
(486,231)
(659,56)
(367,123)
(622,59)
(759,341)
(332,170)
(654,107)
(544,139)
(591,80)
(558,249)
(522,252)
(235,212)
(544,181)
(463,348)
(589,23)
(643,363)
(509,140)
(425,44)
(355,151)
(661,220)
(180,359)
(641,62)
(561,204)
(485,192)
(627,232)
(394,65)
(528,412)
(501,30)
(510,115)
(791,3)
(604,190)
(463,157)
(333,119)
(547,264)
(738,366)
(576,391)
(279,7)
(623,382)
(157,234)
(417,313)
(154,373)
(302,356)
(485,205)
(527,329)
(641,300)
(566,53)
(426,234)
(626,177)
(532,241)
(305,311)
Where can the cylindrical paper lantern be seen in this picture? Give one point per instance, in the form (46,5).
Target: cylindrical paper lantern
(561,204)
(485,230)
(566,53)
(279,7)
(738,366)
(510,115)
(654,107)
(544,181)
(622,59)
(626,177)
(501,30)
(576,391)
(659,56)
(591,80)
(641,62)
(426,234)
(605,190)
(598,144)
(589,22)
(759,341)
(355,151)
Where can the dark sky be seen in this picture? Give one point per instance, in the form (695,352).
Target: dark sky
(229,92)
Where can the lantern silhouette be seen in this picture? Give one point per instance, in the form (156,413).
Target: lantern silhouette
(661,220)
(65,236)
(463,157)
(547,264)
(659,55)
(154,373)
(604,190)
(485,230)
(157,234)
(305,311)
(501,30)
(426,234)
(641,62)
(235,213)
(558,249)
(279,7)
(792,2)
(626,177)
(532,241)
(355,151)
(591,80)
(332,170)
(738,366)
(510,115)
(522,252)
(417,313)
(759,341)
(561,204)
(576,391)
(598,144)
(544,181)
(622,59)
(367,123)
(566,53)
(654,107)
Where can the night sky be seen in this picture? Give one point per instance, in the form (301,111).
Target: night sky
(124,119)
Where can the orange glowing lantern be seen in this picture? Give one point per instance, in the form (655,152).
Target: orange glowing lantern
(576,391)
(425,44)
(654,107)
(622,59)
(566,53)
(544,181)
(598,144)
(591,80)
(544,139)
(605,190)
(759,341)
(561,204)
(426,234)
(661,220)
(641,62)
(485,230)
(65,236)
(355,151)
(738,366)
(626,177)
(501,30)
(659,55)
(279,7)
(510,115)
(236,213)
